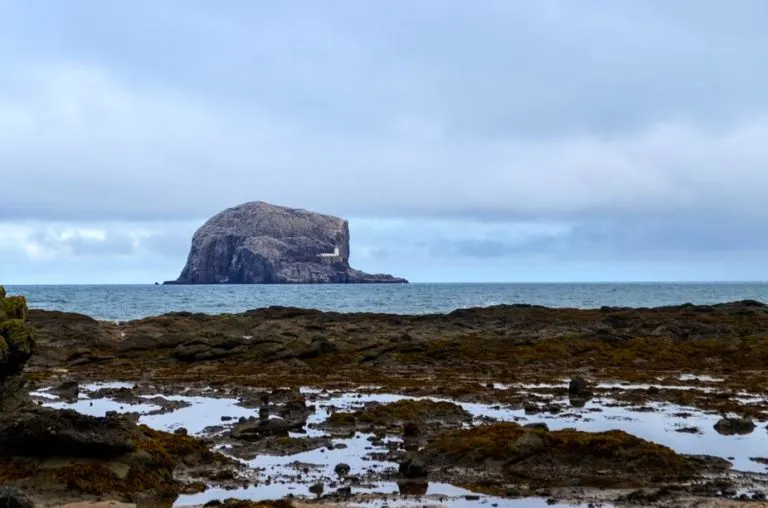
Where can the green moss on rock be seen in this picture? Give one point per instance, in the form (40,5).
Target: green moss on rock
(17,337)
(15,307)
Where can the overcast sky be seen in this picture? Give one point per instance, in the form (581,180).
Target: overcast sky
(484,140)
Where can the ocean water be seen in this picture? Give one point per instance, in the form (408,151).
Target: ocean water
(124,302)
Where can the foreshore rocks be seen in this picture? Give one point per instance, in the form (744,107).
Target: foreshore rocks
(260,243)
(502,341)
(63,453)
(509,453)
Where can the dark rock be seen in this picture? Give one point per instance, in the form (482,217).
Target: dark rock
(537,425)
(260,243)
(68,390)
(17,342)
(411,429)
(731,426)
(253,430)
(531,409)
(11,497)
(579,387)
(413,488)
(413,468)
(43,432)
(342,469)
(344,491)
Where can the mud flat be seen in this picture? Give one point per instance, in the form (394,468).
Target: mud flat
(505,406)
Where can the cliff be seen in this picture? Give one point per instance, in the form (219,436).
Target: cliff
(260,243)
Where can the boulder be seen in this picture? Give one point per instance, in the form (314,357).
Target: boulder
(68,390)
(260,243)
(731,426)
(43,432)
(413,468)
(11,497)
(17,341)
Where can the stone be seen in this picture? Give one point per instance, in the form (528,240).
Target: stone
(342,469)
(261,243)
(413,468)
(68,390)
(45,432)
(731,426)
(256,429)
(17,342)
(11,497)
(578,387)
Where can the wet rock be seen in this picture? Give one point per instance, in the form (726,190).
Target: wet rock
(68,390)
(504,452)
(317,489)
(278,446)
(413,488)
(731,426)
(11,497)
(531,409)
(199,352)
(411,429)
(255,429)
(578,387)
(343,491)
(577,401)
(424,416)
(17,341)
(342,469)
(413,468)
(537,425)
(43,432)
(688,430)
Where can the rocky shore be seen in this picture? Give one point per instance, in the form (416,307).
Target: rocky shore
(614,406)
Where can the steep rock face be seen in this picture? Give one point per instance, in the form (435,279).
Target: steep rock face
(260,243)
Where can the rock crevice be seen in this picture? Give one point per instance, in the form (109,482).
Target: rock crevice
(260,243)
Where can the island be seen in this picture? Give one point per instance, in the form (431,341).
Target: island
(262,243)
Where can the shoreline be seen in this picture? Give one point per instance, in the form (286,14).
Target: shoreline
(501,307)
(281,388)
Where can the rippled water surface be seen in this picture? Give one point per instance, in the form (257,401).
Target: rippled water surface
(135,301)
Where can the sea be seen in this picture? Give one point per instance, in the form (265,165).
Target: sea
(126,302)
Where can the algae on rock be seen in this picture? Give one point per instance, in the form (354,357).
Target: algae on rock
(17,340)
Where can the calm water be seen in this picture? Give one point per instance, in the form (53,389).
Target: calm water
(131,302)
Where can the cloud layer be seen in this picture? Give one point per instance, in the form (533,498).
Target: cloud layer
(625,132)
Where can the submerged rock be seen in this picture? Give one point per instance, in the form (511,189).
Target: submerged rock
(260,243)
(731,426)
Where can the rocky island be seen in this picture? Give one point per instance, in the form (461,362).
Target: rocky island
(261,243)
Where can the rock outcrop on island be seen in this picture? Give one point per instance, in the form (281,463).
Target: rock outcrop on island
(260,243)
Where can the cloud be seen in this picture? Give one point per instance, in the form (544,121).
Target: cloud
(483,131)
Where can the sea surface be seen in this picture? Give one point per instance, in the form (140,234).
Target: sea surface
(124,302)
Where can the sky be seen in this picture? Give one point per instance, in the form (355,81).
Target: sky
(492,140)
